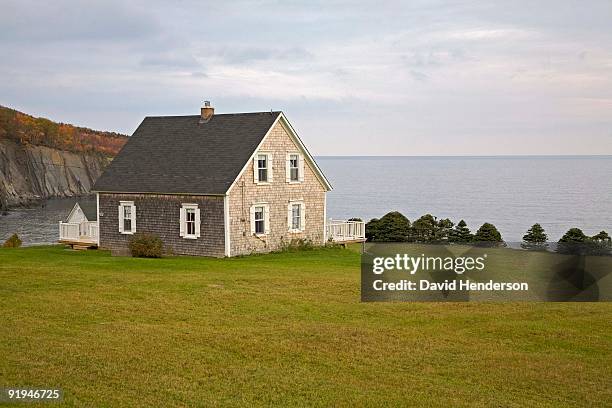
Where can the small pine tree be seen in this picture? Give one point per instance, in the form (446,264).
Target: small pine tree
(371,229)
(574,236)
(602,243)
(392,227)
(445,230)
(13,242)
(424,229)
(573,242)
(602,237)
(461,233)
(488,234)
(535,238)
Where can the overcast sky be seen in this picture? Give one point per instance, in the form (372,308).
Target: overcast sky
(376,78)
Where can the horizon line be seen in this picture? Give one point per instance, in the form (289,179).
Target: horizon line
(469,156)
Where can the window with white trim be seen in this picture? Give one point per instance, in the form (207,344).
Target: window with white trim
(294,170)
(294,165)
(260,223)
(260,219)
(295,216)
(190,221)
(262,168)
(127,217)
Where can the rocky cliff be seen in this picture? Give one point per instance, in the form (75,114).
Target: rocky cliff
(41,159)
(30,173)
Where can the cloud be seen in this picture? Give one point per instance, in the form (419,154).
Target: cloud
(170,60)
(432,73)
(240,54)
(28,21)
(491,34)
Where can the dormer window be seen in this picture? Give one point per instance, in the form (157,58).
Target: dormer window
(262,168)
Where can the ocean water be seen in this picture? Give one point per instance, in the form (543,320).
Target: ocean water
(38,224)
(511,192)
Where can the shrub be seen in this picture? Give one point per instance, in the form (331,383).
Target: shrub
(13,242)
(296,244)
(144,245)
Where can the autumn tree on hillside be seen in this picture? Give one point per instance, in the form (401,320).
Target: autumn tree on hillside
(26,129)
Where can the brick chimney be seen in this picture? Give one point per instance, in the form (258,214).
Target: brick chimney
(206,112)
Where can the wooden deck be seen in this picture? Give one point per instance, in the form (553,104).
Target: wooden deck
(79,244)
(345,232)
(79,235)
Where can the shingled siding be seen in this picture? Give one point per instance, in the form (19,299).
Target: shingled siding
(278,194)
(159,214)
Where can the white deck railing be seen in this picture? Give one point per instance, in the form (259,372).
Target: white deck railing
(86,232)
(342,231)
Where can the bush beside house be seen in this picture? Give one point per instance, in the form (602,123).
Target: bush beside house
(143,245)
(12,242)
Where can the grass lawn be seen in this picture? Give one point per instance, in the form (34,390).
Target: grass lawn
(282,329)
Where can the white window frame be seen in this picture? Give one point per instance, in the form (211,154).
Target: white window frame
(300,168)
(290,206)
(121,210)
(269,168)
(183,227)
(266,219)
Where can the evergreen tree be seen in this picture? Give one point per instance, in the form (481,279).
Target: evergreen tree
(371,229)
(602,243)
(573,242)
(445,229)
(461,233)
(488,234)
(424,229)
(535,238)
(574,236)
(602,237)
(392,227)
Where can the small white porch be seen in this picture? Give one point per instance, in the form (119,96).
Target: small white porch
(345,232)
(79,233)
(79,230)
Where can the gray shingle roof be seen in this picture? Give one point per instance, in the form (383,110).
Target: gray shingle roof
(90,209)
(178,154)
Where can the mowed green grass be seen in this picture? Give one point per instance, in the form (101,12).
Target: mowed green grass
(282,329)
